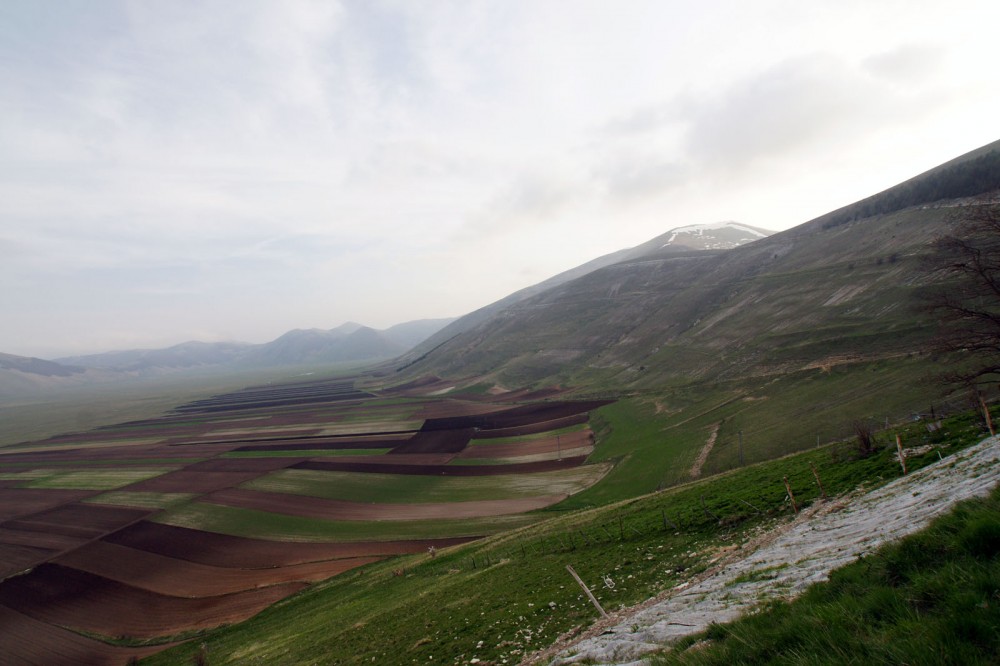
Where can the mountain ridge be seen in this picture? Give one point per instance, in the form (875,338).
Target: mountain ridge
(833,288)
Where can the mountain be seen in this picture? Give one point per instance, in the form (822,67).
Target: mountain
(348,342)
(184,355)
(680,239)
(835,289)
(300,347)
(21,374)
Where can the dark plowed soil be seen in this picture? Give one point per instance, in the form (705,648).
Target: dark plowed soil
(181,578)
(24,640)
(15,558)
(76,599)
(86,521)
(17,502)
(435,441)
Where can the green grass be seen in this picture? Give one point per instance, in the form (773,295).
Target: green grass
(97,479)
(280,527)
(655,437)
(141,500)
(932,598)
(504,596)
(415,488)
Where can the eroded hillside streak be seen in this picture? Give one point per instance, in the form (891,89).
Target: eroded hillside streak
(705,450)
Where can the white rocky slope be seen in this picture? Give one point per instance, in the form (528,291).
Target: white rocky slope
(828,535)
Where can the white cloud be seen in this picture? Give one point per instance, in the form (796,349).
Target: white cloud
(250,166)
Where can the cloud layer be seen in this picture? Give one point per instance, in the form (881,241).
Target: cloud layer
(234,169)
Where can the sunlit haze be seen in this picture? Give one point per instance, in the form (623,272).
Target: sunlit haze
(231,170)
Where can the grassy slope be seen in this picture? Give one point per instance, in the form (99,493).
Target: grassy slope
(932,598)
(501,597)
(656,436)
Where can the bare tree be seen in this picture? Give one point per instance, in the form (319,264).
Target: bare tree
(966,297)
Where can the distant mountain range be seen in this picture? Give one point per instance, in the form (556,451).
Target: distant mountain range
(349,342)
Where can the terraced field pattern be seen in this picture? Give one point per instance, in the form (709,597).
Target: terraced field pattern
(121,541)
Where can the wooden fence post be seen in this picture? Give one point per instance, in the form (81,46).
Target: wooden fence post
(818,482)
(986,413)
(788,487)
(899,450)
(586,589)
(705,509)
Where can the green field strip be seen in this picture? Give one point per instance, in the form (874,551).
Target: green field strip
(280,527)
(514,439)
(95,479)
(141,500)
(26,475)
(305,453)
(412,488)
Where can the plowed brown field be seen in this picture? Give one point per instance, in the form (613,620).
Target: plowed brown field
(17,502)
(76,599)
(87,521)
(67,564)
(181,578)
(25,640)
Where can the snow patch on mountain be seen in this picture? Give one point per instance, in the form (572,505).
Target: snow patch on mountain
(714,236)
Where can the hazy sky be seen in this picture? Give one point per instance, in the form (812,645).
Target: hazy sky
(230,170)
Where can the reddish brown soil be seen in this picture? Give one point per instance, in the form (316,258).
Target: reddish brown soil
(15,558)
(222,550)
(48,541)
(24,640)
(86,521)
(552,444)
(343,465)
(17,502)
(76,599)
(256,465)
(326,509)
(181,578)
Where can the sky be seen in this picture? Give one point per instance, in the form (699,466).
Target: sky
(233,169)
